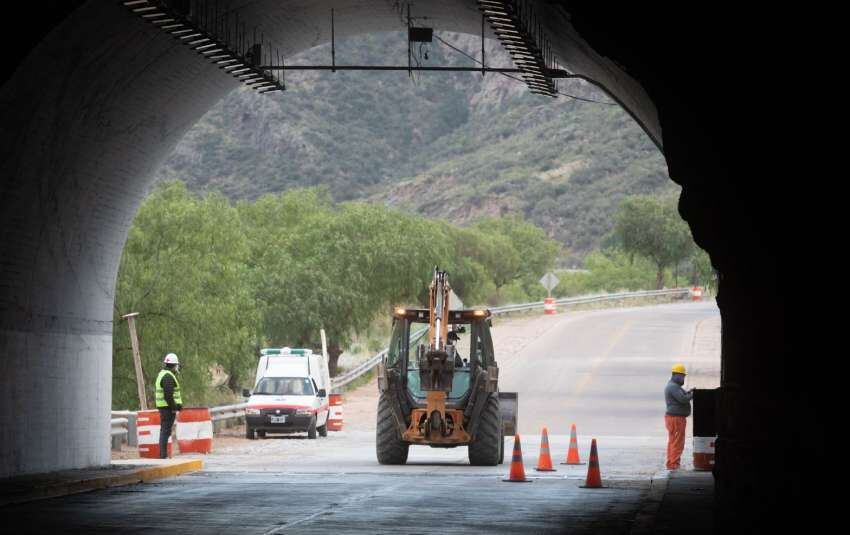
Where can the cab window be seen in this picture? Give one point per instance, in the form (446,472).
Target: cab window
(396,349)
(482,344)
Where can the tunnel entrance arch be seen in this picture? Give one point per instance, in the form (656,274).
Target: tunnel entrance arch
(95,104)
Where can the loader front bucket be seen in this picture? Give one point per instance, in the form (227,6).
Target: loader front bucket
(509,407)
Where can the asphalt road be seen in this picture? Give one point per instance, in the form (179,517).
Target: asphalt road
(603,370)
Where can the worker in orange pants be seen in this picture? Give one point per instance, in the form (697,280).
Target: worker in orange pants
(678,409)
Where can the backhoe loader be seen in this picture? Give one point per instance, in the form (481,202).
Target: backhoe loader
(439,383)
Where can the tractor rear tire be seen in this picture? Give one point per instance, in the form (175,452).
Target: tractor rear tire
(487,448)
(391,449)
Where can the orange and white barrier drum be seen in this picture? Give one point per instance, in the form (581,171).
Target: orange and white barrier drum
(704,453)
(194,430)
(335,417)
(696,293)
(147,432)
(549,305)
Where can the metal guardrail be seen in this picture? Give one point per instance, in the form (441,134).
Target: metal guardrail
(347,377)
(225,412)
(119,427)
(589,299)
(351,375)
(120,431)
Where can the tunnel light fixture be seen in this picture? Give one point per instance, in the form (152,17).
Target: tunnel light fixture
(420,35)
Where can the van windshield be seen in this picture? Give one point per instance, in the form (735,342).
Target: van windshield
(285,386)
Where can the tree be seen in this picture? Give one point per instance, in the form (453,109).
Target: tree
(335,267)
(184,270)
(512,249)
(702,272)
(652,228)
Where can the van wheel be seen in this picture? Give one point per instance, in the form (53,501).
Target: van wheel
(311,431)
(249,433)
(323,430)
(261,434)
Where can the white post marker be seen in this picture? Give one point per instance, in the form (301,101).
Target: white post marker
(137,360)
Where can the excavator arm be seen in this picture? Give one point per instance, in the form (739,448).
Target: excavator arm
(434,423)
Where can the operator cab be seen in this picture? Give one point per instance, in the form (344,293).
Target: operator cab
(469,334)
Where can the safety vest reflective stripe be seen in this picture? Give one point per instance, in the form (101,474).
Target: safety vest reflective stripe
(160,393)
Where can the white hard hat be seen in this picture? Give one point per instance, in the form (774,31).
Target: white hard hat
(171,358)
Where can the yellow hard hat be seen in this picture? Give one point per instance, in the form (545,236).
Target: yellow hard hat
(679,368)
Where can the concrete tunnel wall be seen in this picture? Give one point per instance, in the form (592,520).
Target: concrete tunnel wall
(86,121)
(88,117)
(99,102)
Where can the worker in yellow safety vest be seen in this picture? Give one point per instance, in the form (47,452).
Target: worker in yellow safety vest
(168,400)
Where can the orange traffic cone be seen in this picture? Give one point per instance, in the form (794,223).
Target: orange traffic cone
(594,478)
(572,454)
(544,461)
(517,474)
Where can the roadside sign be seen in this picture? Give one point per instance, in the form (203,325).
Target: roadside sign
(549,281)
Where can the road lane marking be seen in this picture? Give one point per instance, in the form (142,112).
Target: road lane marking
(597,363)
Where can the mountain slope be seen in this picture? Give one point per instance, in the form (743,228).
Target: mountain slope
(456,145)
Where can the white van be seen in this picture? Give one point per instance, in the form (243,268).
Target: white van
(290,394)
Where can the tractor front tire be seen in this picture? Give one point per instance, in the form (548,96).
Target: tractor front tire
(391,449)
(487,448)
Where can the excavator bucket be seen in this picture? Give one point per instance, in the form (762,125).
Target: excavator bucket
(509,408)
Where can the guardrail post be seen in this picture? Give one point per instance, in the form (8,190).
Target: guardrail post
(116,442)
(132,434)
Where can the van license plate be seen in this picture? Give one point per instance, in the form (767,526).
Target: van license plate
(278,419)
